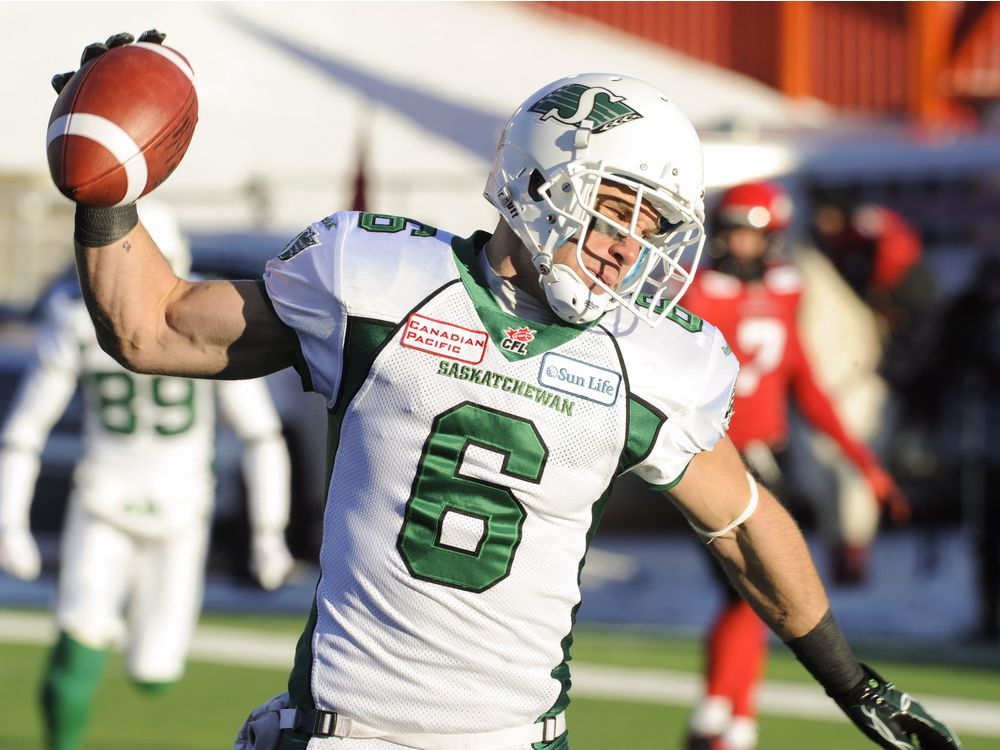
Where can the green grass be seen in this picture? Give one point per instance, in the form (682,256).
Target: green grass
(979,681)
(207,707)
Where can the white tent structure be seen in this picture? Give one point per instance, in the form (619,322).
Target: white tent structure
(289,91)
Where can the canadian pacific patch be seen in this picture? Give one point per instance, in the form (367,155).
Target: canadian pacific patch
(582,379)
(443,339)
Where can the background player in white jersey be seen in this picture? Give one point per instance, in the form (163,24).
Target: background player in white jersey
(140,509)
(484,395)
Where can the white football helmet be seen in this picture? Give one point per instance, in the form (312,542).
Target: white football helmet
(162,225)
(557,149)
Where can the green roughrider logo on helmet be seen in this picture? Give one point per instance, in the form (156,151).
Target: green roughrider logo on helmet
(574,103)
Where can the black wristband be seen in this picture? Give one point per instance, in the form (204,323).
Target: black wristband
(97,227)
(825,653)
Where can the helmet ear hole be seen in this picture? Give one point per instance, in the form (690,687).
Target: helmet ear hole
(535,182)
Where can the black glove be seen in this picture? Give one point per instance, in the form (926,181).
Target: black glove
(97,49)
(892,719)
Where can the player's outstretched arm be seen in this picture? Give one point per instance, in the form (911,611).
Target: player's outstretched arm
(146,317)
(766,557)
(152,321)
(41,397)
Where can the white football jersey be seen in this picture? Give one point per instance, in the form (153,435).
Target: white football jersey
(472,454)
(148,439)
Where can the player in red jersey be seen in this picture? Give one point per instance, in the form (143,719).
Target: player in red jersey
(753,297)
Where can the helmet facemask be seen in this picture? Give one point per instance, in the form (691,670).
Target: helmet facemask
(654,282)
(548,175)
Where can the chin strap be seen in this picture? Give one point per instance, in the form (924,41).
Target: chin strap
(751,506)
(569,297)
(566,294)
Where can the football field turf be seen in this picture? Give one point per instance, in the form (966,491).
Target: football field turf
(631,691)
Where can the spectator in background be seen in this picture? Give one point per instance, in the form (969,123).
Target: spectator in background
(753,295)
(880,257)
(867,317)
(965,417)
(138,518)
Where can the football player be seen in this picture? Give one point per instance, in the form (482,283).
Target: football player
(470,459)
(139,514)
(752,294)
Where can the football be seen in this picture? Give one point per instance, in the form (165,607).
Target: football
(122,124)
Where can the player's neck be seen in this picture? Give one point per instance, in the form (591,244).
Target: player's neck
(511,262)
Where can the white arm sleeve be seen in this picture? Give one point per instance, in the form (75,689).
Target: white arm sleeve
(303,283)
(699,423)
(42,395)
(247,406)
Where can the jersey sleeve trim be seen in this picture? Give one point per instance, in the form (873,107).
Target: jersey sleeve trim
(298,358)
(644,424)
(699,417)
(363,340)
(300,679)
(672,483)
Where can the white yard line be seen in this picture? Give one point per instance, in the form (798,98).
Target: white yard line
(239,646)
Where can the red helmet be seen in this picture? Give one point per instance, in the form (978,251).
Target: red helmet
(758,205)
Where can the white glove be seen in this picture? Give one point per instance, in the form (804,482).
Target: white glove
(19,553)
(262,728)
(270,560)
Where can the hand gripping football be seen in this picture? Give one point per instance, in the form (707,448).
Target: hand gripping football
(122,124)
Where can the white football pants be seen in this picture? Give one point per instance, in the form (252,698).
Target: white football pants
(105,570)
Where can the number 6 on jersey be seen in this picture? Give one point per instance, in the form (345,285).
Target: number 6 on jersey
(459,531)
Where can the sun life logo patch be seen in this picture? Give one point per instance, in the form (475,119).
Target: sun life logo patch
(517,339)
(574,103)
(568,375)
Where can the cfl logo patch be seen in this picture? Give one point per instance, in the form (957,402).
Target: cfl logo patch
(516,340)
